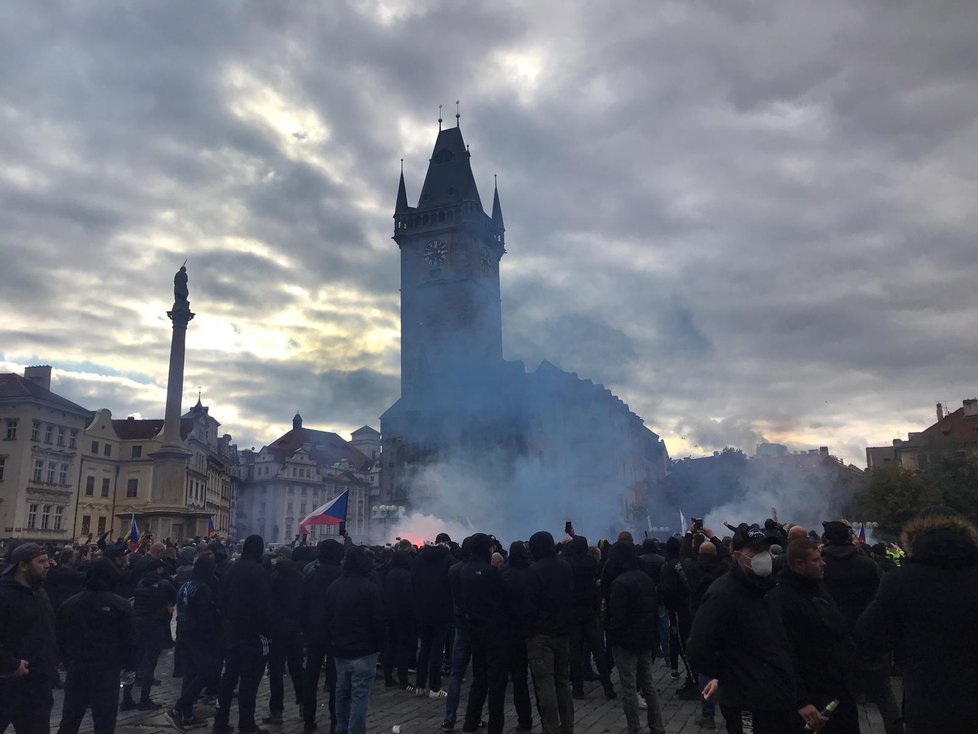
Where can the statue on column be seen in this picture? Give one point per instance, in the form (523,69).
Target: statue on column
(180,290)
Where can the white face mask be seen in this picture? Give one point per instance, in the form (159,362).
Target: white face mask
(762,564)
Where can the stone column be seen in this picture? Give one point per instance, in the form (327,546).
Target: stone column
(180,315)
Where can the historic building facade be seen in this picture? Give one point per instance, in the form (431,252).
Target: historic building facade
(117,476)
(468,422)
(299,471)
(40,439)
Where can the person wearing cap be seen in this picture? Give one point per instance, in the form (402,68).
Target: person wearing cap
(285,645)
(28,649)
(927,608)
(737,640)
(97,638)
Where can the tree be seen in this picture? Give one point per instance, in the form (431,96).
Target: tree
(894,495)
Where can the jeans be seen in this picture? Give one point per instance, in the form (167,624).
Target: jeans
(490,672)
(432,648)
(354,682)
(285,648)
(549,659)
(96,688)
(316,653)
(245,660)
(461,652)
(635,673)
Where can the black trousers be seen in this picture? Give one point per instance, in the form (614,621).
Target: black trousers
(285,649)
(490,673)
(402,646)
(316,654)
(519,671)
(201,660)
(586,638)
(245,661)
(98,689)
(765,722)
(26,703)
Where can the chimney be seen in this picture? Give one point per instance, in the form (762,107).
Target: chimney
(823,450)
(39,375)
(970,405)
(940,412)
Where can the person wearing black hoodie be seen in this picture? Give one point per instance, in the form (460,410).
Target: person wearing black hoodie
(154,599)
(286,642)
(97,638)
(548,643)
(355,628)
(927,607)
(197,638)
(402,639)
(633,610)
(518,580)
(246,607)
(433,612)
(312,606)
(585,628)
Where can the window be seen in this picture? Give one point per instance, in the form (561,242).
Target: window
(63,475)
(11,429)
(59,517)
(137,451)
(72,439)
(89,486)
(132,487)
(48,433)
(263,507)
(36,431)
(302,509)
(61,436)
(52,468)
(101,525)
(45,516)
(94,447)
(38,469)
(3,466)
(86,524)
(288,506)
(105,486)
(107,450)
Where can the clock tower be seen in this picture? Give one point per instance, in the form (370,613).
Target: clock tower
(451,322)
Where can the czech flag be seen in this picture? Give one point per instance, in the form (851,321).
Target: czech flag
(133,536)
(332,513)
(862,533)
(210,526)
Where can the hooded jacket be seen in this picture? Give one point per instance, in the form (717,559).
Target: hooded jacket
(585,569)
(95,627)
(553,592)
(927,608)
(398,597)
(633,606)
(246,595)
(484,597)
(197,619)
(429,579)
(520,583)
(317,579)
(851,578)
(26,628)
(354,613)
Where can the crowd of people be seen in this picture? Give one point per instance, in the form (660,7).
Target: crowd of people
(778,627)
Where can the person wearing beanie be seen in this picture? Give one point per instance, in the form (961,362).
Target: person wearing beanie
(246,603)
(355,627)
(312,618)
(927,608)
(97,639)
(548,643)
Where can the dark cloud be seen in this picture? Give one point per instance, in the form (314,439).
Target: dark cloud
(745,219)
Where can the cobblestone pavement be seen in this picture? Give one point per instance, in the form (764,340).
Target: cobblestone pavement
(391,706)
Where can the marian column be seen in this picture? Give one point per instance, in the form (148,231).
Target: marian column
(180,315)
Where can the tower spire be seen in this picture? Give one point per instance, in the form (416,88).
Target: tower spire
(402,203)
(458,116)
(497,210)
(439,118)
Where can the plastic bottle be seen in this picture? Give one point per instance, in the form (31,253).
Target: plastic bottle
(826,713)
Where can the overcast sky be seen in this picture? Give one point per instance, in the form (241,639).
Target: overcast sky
(748,219)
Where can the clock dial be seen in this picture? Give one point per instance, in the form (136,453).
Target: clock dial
(435,252)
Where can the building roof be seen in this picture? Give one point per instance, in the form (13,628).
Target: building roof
(955,428)
(15,388)
(324,447)
(449,179)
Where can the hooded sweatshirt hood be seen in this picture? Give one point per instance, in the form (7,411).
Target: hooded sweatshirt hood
(204,568)
(357,563)
(102,575)
(519,555)
(253,547)
(939,536)
(542,545)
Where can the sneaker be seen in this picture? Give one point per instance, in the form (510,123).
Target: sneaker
(674,674)
(420,692)
(274,717)
(175,718)
(437,694)
(149,705)
(448,725)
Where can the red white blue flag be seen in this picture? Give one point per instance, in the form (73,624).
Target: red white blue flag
(133,536)
(332,513)
(862,533)
(210,526)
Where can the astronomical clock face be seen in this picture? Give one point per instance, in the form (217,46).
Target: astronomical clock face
(485,257)
(435,252)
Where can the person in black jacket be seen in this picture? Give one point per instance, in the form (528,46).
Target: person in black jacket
(461,649)
(585,629)
(63,580)
(402,639)
(927,607)
(738,641)
(246,608)
(355,628)
(28,649)
(286,642)
(97,638)
(633,633)
(519,582)
(154,599)
(197,638)
(675,595)
(433,612)
(316,580)
(548,643)
(820,642)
